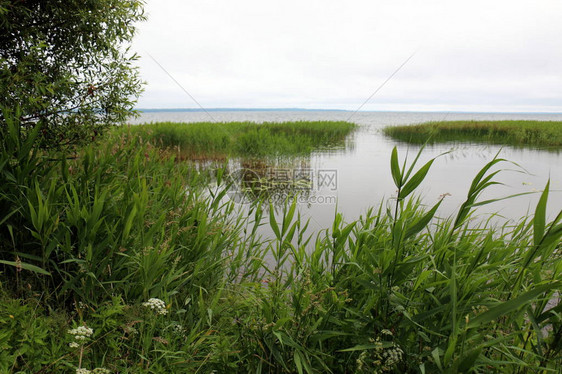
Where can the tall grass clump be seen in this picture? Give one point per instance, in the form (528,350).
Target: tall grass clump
(538,134)
(246,139)
(110,220)
(86,239)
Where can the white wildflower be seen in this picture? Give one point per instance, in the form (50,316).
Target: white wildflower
(393,356)
(74,345)
(83,371)
(83,331)
(157,305)
(81,334)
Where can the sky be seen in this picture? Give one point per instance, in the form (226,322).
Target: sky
(481,56)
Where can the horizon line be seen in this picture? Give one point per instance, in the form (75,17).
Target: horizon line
(250,109)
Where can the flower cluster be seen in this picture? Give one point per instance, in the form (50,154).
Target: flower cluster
(80,334)
(383,357)
(392,356)
(157,305)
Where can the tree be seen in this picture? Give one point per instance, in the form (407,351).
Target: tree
(65,67)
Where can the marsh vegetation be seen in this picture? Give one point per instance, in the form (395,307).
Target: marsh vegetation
(127,240)
(234,139)
(537,134)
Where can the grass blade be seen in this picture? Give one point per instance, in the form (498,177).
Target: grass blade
(413,183)
(510,305)
(421,223)
(26,266)
(395,168)
(540,216)
(273,222)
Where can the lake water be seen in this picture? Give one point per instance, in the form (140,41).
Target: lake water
(358,177)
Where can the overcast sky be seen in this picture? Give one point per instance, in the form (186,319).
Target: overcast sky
(501,55)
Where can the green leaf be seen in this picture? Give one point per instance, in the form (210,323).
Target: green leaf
(298,363)
(129,222)
(273,222)
(540,216)
(26,266)
(478,177)
(552,236)
(288,217)
(437,358)
(421,223)
(363,347)
(490,201)
(327,334)
(477,186)
(510,305)
(395,168)
(413,164)
(6,217)
(451,346)
(467,361)
(415,181)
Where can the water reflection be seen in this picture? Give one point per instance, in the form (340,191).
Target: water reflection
(276,182)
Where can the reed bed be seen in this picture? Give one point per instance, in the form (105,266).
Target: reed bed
(248,139)
(122,260)
(537,134)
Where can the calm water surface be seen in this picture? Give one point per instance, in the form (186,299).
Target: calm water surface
(353,179)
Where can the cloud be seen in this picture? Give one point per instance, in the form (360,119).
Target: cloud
(472,55)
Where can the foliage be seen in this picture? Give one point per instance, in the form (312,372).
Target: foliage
(111,222)
(94,242)
(540,134)
(65,66)
(247,139)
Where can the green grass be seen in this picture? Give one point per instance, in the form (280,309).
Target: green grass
(246,139)
(538,134)
(88,241)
